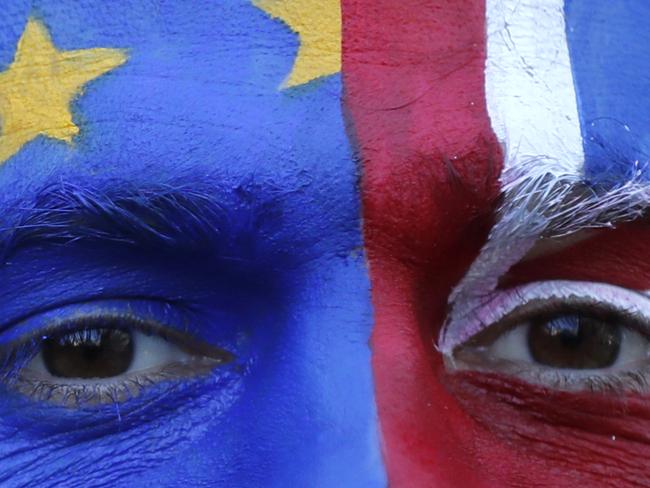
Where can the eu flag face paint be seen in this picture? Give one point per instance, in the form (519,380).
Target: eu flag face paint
(180,217)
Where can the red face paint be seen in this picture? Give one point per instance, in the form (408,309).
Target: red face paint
(616,256)
(532,436)
(414,86)
(414,82)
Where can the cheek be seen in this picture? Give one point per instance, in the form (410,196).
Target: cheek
(525,435)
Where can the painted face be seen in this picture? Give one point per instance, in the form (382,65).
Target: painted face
(323,243)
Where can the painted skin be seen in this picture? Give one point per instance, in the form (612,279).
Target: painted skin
(200,196)
(193,123)
(427,217)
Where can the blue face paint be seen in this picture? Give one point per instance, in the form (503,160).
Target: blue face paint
(199,195)
(607,45)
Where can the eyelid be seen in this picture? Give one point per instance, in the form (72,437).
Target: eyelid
(154,317)
(506,304)
(150,311)
(547,247)
(138,303)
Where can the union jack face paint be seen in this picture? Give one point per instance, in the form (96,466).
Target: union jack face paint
(503,155)
(324,243)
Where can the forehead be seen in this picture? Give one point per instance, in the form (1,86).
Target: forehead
(565,82)
(200,93)
(204,87)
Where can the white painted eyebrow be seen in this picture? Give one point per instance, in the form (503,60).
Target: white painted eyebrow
(539,203)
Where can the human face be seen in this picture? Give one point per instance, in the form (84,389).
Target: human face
(246,241)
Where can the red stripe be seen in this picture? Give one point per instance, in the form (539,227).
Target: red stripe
(615,256)
(414,87)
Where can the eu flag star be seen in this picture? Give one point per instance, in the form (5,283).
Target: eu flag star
(38,87)
(318,23)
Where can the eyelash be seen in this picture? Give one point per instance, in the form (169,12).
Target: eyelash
(14,358)
(503,304)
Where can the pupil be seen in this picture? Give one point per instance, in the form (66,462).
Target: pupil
(574,342)
(88,353)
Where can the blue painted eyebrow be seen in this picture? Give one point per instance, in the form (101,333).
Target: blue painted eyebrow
(163,217)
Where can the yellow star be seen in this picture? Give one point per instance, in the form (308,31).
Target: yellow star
(39,85)
(318,23)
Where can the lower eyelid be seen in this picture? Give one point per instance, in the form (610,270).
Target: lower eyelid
(92,392)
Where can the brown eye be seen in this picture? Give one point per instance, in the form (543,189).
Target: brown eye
(565,335)
(101,359)
(574,342)
(88,353)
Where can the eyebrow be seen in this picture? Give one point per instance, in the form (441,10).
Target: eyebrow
(540,201)
(159,216)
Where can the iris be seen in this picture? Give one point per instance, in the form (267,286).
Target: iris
(574,341)
(88,353)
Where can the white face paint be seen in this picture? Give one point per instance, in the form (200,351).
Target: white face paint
(529,85)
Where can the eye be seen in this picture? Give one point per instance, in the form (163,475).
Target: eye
(568,341)
(565,335)
(574,341)
(88,353)
(103,358)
